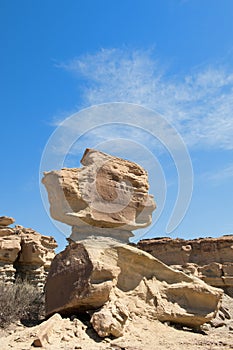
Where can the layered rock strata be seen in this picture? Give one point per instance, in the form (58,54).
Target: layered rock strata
(210,259)
(24,253)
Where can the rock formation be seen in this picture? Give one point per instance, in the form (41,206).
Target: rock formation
(210,259)
(108,193)
(24,253)
(98,272)
(122,281)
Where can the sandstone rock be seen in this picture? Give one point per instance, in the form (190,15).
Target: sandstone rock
(103,201)
(100,273)
(211,259)
(6,220)
(25,253)
(9,250)
(107,192)
(110,320)
(45,330)
(6,231)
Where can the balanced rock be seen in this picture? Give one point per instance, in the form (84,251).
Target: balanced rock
(108,193)
(103,201)
(25,253)
(210,259)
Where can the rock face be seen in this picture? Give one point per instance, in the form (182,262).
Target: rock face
(108,193)
(24,253)
(120,281)
(210,259)
(97,272)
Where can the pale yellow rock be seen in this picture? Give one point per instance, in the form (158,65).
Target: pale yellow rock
(110,320)
(103,201)
(211,259)
(45,330)
(25,253)
(100,272)
(9,248)
(107,192)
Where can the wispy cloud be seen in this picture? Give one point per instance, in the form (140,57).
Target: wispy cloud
(199,105)
(222,175)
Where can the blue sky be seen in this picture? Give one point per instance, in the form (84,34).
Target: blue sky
(172,56)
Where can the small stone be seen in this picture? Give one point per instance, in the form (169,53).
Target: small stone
(6,220)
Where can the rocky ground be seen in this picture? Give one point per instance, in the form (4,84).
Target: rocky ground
(140,333)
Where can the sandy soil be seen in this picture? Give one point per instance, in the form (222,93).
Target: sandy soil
(140,334)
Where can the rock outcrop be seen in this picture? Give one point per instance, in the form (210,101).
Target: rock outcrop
(210,259)
(122,281)
(108,193)
(97,272)
(24,253)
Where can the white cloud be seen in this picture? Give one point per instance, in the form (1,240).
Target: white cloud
(224,174)
(199,105)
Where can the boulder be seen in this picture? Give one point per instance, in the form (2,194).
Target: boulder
(117,281)
(210,259)
(45,330)
(106,193)
(6,220)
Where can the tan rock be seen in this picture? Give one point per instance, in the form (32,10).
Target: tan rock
(25,253)
(211,259)
(9,248)
(6,220)
(95,273)
(103,201)
(45,330)
(107,192)
(6,231)
(110,320)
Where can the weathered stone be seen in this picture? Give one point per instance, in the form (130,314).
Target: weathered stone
(110,320)
(6,220)
(45,330)
(107,192)
(9,248)
(6,231)
(100,272)
(25,253)
(211,259)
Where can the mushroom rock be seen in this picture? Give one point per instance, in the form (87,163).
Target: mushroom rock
(108,196)
(98,272)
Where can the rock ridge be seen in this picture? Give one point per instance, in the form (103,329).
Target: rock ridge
(210,259)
